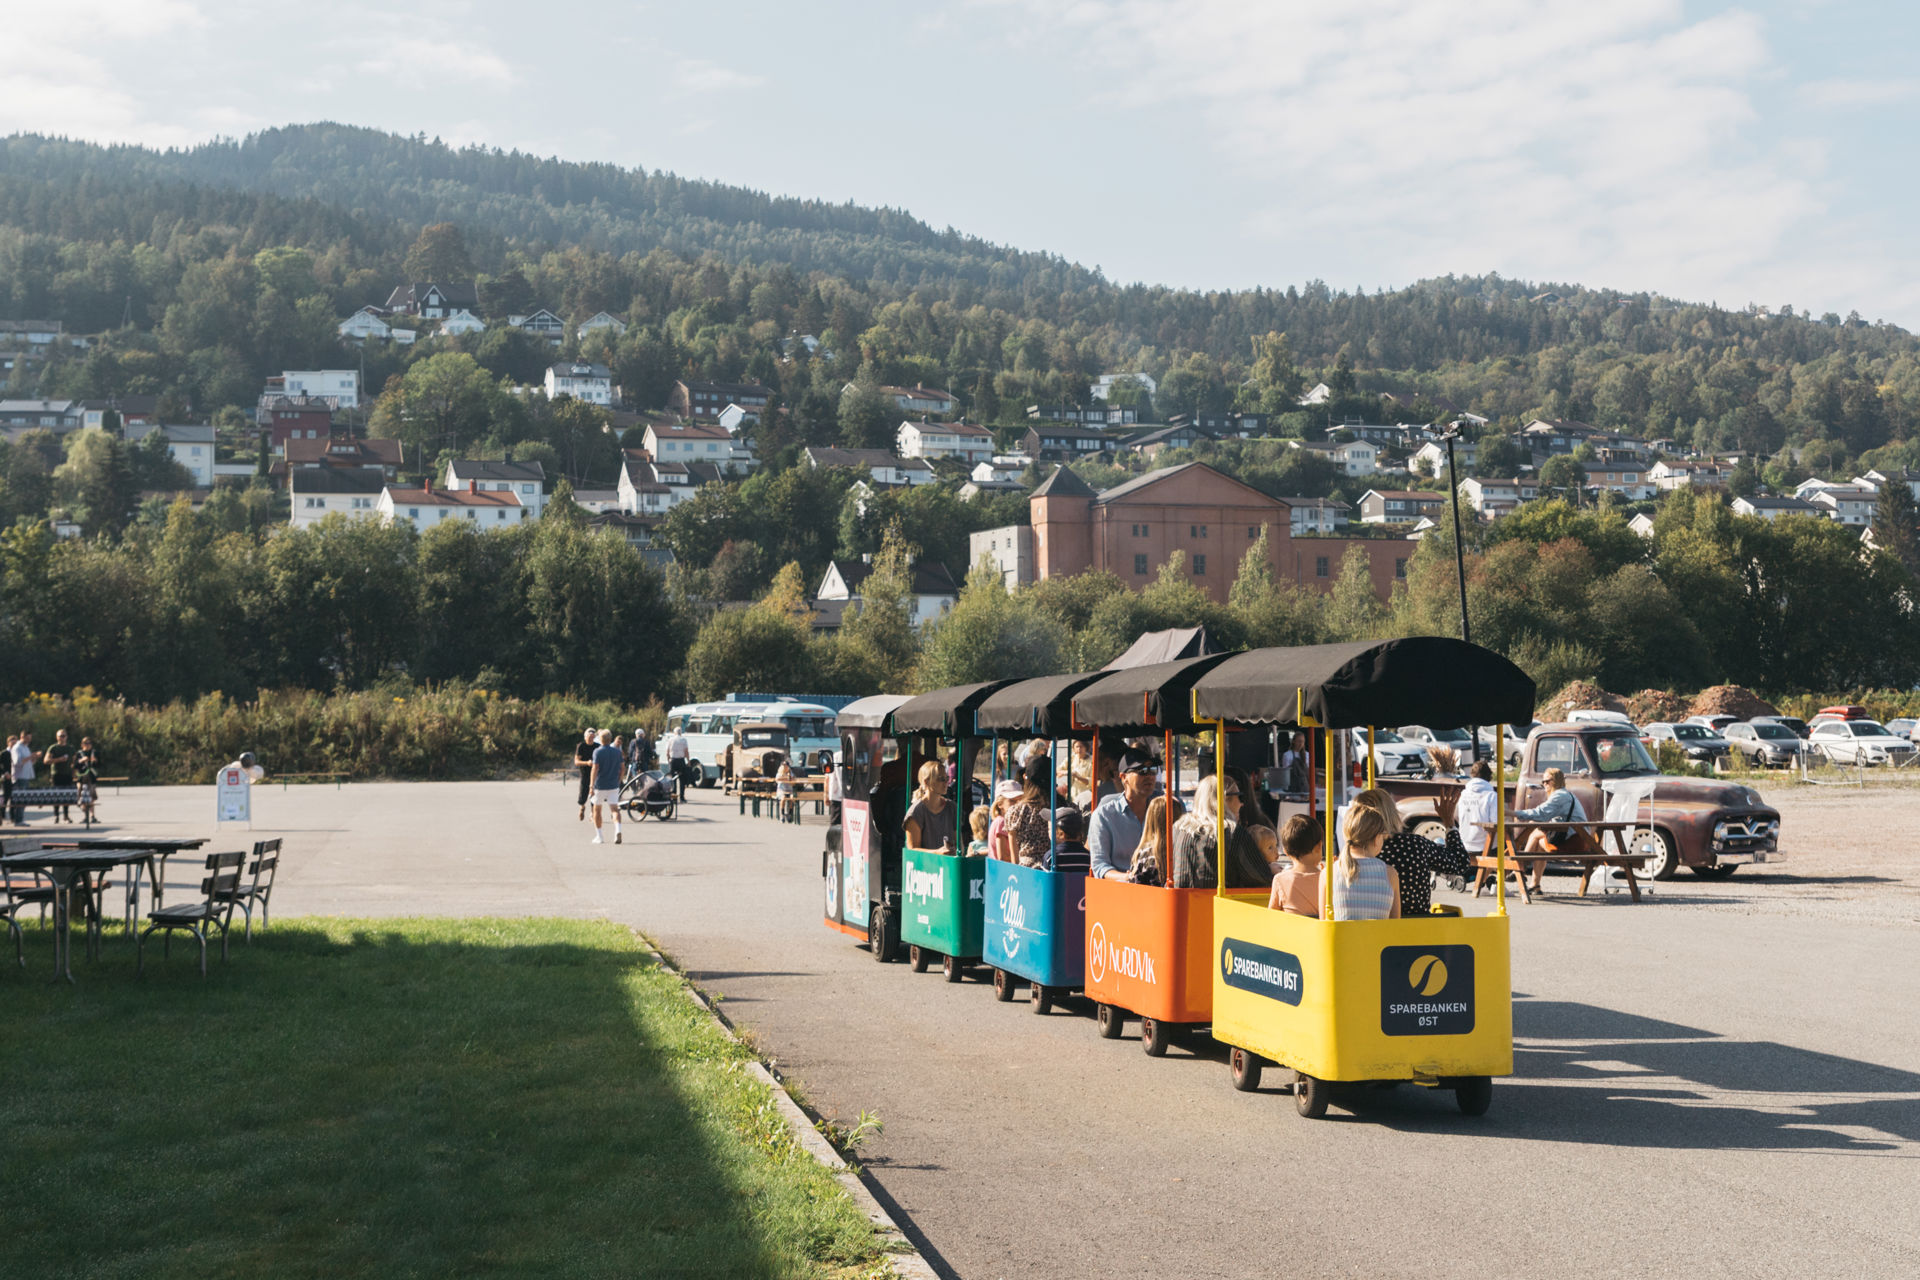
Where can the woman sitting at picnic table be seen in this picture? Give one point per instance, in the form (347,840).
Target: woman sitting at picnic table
(1415,857)
(929,823)
(1561,805)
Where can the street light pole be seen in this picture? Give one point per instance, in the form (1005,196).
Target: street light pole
(1451,434)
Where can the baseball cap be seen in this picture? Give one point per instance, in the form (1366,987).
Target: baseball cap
(1133,762)
(1007,789)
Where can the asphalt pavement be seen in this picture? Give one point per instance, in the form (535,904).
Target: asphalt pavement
(1698,1090)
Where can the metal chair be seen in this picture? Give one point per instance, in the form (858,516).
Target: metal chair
(11,900)
(220,892)
(266,861)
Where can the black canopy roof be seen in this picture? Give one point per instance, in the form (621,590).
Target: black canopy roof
(1153,696)
(870,712)
(947,712)
(1427,680)
(1042,706)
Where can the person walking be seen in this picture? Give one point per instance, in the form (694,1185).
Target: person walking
(86,775)
(605,764)
(22,772)
(583,762)
(678,754)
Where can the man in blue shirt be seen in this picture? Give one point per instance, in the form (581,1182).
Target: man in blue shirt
(1119,819)
(608,764)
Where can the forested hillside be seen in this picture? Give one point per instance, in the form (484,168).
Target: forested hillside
(715,276)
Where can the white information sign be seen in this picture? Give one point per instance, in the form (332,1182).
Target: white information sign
(233,795)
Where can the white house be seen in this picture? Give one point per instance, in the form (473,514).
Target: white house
(1642,524)
(1847,504)
(1773,508)
(918,399)
(1495,498)
(1009,549)
(191,445)
(1316,515)
(933,591)
(462,321)
(601,320)
(541,324)
(1807,488)
(1354,458)
(699,442)
(1668,476)
(997,471)
(526,480)
(1103,385)
(318,492)
(1320,394)
(592,383)
(424,508)
(341,386)
(1434,454)
(734,417)
(881,464)
(1874,480)
(1630,480)
(365,325)
(651,488)
(432,301)
(931,440)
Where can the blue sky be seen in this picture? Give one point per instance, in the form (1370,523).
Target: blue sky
(1723,152)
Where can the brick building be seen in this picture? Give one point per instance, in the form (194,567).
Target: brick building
(1132,529)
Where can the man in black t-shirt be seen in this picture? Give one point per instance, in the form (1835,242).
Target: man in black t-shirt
(583,762)
(59,761)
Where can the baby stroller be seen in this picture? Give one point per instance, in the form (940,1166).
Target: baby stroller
(648,793)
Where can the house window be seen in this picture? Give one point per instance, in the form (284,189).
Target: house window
(1253,531)
(413,513)
(1399,568)
(1199,566)
(1319,566)
(1140,566)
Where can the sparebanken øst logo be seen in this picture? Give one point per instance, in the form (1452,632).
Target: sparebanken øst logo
(1248,966)
(1426,991)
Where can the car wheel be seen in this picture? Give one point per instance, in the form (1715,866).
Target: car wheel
(1431,829)
(1663,857)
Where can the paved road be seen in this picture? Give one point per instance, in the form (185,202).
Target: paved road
(1699,1090)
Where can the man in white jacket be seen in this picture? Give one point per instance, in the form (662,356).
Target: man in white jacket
(1478,804)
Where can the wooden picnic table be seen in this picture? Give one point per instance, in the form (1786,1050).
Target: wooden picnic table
(758,789)
(1624,860)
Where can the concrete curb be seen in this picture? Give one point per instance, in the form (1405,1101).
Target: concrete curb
(905,1258)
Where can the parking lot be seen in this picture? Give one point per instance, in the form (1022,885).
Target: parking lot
(1717,1082)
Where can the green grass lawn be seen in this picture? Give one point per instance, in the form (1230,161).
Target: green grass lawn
(396,1098)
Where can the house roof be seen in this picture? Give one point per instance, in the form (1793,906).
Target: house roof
(452,498)
(821,456)
(731,390)
(955,428)
(1168,433)
(930,577)
(319,480)
(918,393)
(344,451)
(455,295)
(1564,426)
(1066,431)
(1418,495)
(1063,483)
(485,469)
(688,431)
(1139,483)
(1763,503)
(579,369)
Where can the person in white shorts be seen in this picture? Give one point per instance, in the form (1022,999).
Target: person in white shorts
(608,764)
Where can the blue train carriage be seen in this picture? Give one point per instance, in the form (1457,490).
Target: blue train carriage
(1428,999)
(860,866)
(943,894)
(1035,917)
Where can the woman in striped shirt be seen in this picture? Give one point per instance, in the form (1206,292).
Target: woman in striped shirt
(1364,888)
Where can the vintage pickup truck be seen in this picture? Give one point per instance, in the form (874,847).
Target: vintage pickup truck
(1709,825)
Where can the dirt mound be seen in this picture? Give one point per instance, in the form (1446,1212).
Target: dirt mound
(1579,695)
(1730,700)
(1652,706)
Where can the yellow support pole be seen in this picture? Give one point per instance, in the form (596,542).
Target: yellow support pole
(1326,848)
(1369,757)
(1500,820)
(1220,808)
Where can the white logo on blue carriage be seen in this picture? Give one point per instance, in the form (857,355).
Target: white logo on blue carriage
(1010,909)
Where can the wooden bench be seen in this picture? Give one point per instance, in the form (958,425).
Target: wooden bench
(338,778)
(754,790)
(1519,863)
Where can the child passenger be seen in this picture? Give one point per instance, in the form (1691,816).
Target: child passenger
(979,821)
(1070,841)
(1297,889)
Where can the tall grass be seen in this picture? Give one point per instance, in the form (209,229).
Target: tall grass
(446,732)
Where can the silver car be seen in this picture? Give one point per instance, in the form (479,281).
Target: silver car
(1860,742)
(1763,742)
(1698,741)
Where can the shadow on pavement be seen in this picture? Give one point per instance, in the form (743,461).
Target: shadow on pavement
(1587,1074)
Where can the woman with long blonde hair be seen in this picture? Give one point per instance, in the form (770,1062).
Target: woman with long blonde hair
(1150,855)
(929,823)
(1415,858)
(1197,835)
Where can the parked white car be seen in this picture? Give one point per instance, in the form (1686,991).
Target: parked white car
(1860,742)
(1513,742)
(1458,741)
(1393,756)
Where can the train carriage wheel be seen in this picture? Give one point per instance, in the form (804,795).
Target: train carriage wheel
(1111,1021)
(1155,1036)
(1245,1068)
(1310,1096)
(1004,985)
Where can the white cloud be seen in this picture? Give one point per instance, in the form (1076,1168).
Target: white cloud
(1611,143)
(412,59)
(58,77)
(697,75)
(1858,93)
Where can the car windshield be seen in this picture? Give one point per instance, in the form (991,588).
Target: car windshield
(1773,731)
(763,738)
(1451,735)
(1386,735)
(1622,753)
(1691,731)
(1869,729)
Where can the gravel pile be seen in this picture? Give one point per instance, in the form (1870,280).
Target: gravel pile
(1730,700)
